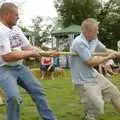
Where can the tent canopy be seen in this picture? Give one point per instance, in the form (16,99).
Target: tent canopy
(72,29)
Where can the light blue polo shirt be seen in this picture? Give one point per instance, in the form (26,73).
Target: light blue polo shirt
(81,72)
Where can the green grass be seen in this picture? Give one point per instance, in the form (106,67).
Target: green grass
(63,101)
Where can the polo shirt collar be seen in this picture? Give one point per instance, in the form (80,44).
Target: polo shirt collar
(84,40)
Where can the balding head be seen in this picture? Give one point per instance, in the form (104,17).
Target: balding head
(89,23)
(89,28)
(9,14)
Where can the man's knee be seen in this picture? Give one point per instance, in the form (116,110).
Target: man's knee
(95,107)
(114,95)
(36,89)
(14,100)
(100,107)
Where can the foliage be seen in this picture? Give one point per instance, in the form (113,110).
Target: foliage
(41,31)
(75,11)
(25,29)
(108,13)
(110,24)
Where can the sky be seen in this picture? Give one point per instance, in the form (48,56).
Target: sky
(32,8)
(29,9)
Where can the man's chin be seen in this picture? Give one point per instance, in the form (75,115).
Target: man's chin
(93,38)
(14,23)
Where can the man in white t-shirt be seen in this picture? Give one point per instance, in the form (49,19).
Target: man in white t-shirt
(14,47)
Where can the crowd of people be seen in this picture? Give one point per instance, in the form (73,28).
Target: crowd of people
(50,65)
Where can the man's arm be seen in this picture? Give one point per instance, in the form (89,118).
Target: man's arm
(110,50)
(27,52)
(18,55)
(105,53)
(96,60)
(117,55)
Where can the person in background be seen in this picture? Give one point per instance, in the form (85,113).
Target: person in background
(14,47)
(109,67)
(47,65)
(106,68)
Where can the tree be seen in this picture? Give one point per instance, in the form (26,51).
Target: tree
(75,11)
(41,30)
(108,13)
(110,24)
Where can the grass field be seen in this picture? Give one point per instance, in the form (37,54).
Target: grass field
(62,99)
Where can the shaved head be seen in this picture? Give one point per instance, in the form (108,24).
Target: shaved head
(9,14)
(7,8)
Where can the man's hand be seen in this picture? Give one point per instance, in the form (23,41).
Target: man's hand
(117,54)
(37,51)
(49,53)
(112,55)
(96,60)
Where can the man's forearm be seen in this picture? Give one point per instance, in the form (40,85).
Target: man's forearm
(110,50)
(96,60)
(41,52)
(118,55)
(17,55)
(106,53)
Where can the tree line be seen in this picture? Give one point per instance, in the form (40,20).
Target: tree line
(74,12)
(107,13)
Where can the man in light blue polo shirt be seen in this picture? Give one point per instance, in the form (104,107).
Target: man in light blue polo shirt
(89,84)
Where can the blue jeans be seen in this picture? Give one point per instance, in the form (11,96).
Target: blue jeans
(10,78)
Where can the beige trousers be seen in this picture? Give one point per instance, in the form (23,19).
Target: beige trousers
(93,95)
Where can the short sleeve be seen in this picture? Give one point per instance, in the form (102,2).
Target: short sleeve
(100,47)
(24,41)
(83,51)
(4,44)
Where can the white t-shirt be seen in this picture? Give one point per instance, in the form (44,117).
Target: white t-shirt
(10,40)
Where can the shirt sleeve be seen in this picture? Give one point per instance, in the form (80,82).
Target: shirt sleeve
(83,51)
(5,47)
(24,41)
(100,47)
